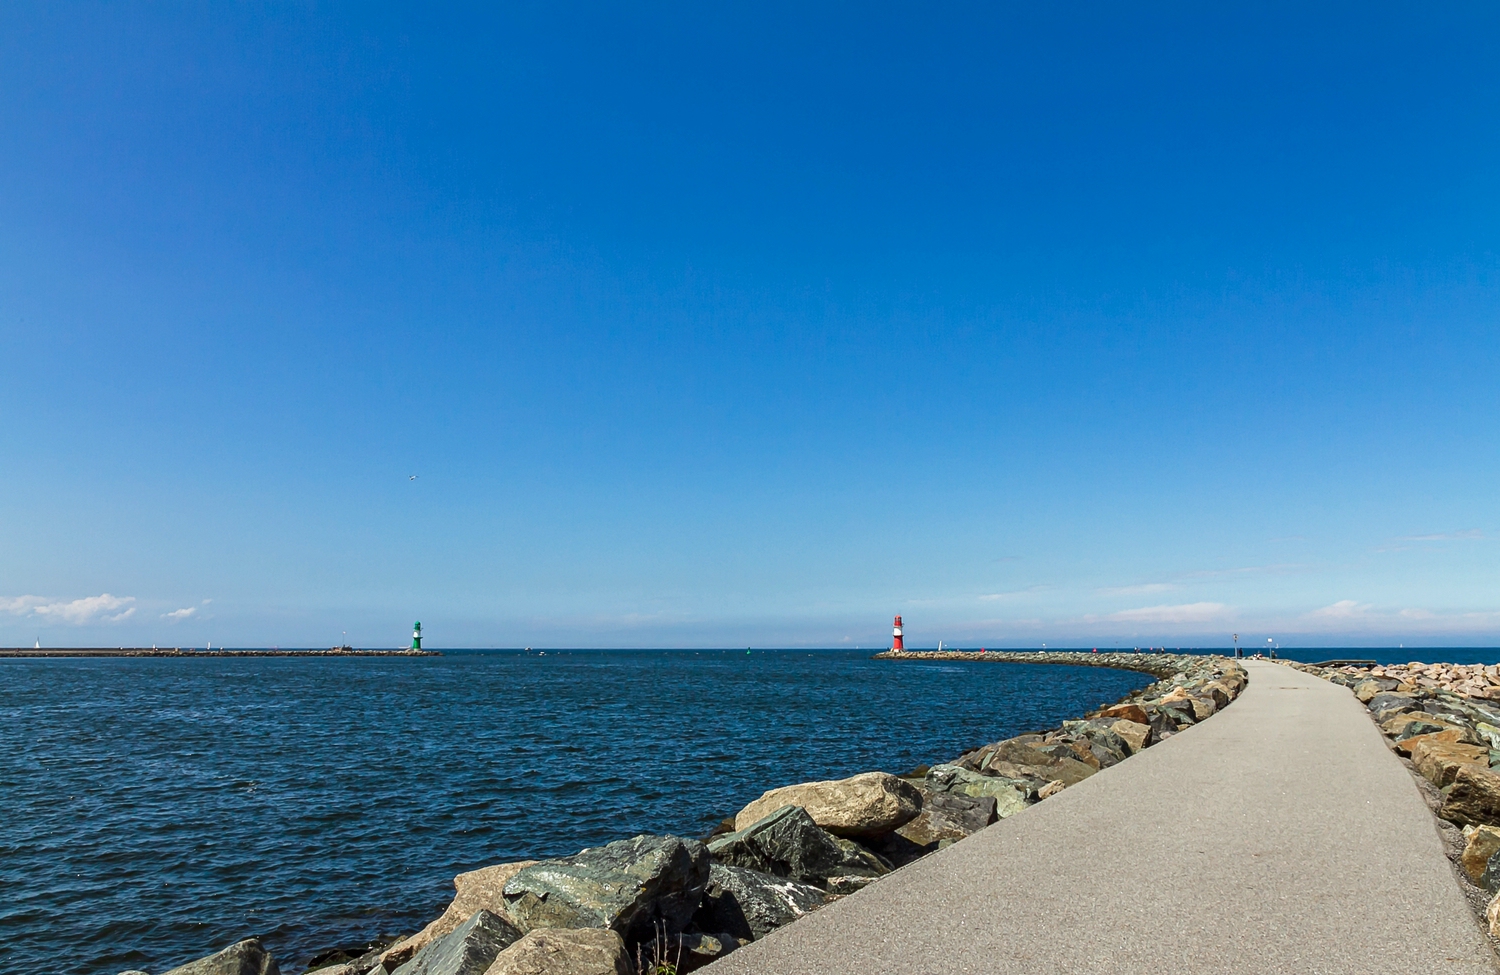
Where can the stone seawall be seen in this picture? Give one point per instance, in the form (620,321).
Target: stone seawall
(666,905)
(1159,665)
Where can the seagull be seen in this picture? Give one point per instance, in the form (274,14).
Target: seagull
(412,478)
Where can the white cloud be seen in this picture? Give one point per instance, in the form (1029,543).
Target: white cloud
(1417,614)
(90,609)
(1342,610)
(1139,590)
(180,614)
(1182,613)
(992,597)
(20,605)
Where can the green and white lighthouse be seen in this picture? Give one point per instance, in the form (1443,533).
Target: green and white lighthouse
(416,636)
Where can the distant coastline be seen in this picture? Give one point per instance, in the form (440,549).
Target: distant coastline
(177,652)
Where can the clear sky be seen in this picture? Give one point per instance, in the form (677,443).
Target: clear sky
(729,325)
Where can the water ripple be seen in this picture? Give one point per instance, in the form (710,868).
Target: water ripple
(154,810)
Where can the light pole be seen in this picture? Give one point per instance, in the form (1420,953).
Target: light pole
(1236,645)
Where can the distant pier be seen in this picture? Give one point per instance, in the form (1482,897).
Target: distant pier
(176,652)
(1160,666)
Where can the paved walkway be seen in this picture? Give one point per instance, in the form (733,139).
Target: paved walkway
(1279,836)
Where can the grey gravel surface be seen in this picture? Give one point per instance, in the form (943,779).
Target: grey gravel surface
(1281,835)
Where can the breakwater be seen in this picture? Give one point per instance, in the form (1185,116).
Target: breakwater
(1159,665)
(634,904)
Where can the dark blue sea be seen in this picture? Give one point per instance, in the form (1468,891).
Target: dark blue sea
(155,810)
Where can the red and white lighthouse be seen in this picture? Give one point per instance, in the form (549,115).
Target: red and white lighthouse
(896,643)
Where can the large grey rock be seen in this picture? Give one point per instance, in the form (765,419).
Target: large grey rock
(789,844)
(751,904)
(1030,759)
(862,805)
(949,817)
(628,886)
(1163,723)
(1386,705)
(466,950)
(1107,747)
(1009,794)
(248,957)
(559,951)
(1447,710)
(331,959)
(1180,713)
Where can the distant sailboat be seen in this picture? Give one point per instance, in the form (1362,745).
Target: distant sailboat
(38,643)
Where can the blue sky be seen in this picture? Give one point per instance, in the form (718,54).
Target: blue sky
(749,325)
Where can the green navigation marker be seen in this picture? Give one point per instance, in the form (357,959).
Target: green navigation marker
(416,636)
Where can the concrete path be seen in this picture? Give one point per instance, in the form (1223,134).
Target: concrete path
(1278,836)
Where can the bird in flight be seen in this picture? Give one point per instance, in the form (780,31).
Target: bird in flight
(412,478)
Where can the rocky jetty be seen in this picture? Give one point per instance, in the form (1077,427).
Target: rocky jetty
(1444,719)
(1467,680)
(666,905)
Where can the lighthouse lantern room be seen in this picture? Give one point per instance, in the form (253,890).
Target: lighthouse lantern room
(896,645)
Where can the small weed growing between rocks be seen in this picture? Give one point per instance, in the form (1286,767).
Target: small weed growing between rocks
(660,961)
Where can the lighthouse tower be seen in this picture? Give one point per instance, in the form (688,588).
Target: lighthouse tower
(416,636)
(896,645)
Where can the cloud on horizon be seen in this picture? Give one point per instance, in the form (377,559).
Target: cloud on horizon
(993,596)
(102,608)
(1344,609)
(1181,613)
(180,614)
(1139,590)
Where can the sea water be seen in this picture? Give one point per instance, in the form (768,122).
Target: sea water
(155,810)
